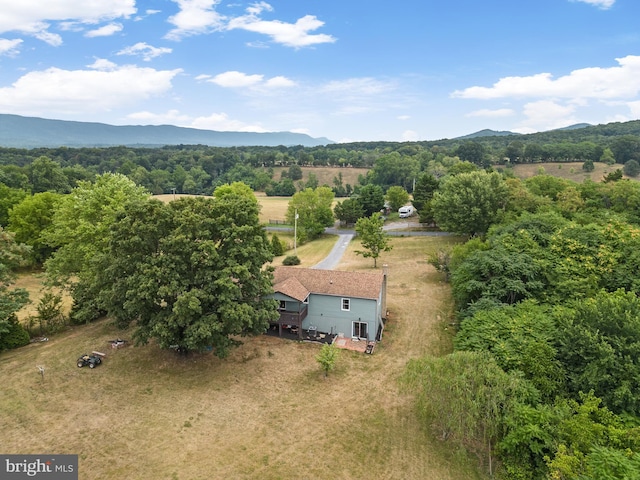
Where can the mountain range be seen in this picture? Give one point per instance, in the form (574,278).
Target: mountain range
(33,132)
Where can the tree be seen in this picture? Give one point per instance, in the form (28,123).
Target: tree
(588,165)
(9,197)
(631,168)
(372,237)
(520,337)
(189,273)
(426,186)
(473,152)
(467,398)
(599,342)
(47,176)
(30,218)
(295,172)
(313,208)
(349,210)
(371,197)
(395,169)
(81,223)
(469,203)
(327,357)
(397,197)
(607,157)
(277,246)
(12,255)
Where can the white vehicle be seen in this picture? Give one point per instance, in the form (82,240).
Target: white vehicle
(406,211)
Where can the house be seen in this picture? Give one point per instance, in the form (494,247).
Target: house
(351,304)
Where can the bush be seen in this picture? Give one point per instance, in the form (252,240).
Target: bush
(631,168)
(291,260)
(277,246)
(16,336)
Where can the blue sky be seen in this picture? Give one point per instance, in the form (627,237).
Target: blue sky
(347,70)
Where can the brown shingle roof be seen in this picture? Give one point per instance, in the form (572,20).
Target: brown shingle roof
(328,282)
(292,287)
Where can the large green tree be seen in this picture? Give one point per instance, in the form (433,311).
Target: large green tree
(80,232)
(395,169)
(30,218)
(190,273)
(313,208)
(349,210)
(467,398)
(46,175)
(426,186)
(397,197)
(372,236)
(371,197)
(599,344)
(469,203)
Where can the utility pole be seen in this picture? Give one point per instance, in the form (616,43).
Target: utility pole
(295,233)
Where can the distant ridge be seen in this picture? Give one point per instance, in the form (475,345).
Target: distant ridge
(33,132)
(486,133)
(576,126)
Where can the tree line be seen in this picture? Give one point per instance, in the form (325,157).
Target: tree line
(544,380)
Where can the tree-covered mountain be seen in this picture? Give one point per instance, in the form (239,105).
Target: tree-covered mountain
(33,132)
(487,133)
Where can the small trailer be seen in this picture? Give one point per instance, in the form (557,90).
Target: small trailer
(406,211)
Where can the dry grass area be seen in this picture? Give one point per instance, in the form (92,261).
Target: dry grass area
(325,175)
(32,283)
(265,412)
(310,253)
(568,171)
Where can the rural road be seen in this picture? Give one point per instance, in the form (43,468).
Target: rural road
(332,260)
(398,229)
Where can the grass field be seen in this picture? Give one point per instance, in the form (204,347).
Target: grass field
(265,412)
(569,171)
(325,175)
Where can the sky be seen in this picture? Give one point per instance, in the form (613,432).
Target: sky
(347,70)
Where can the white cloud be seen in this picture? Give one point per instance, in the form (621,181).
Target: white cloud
(9,47)
(222,122)
(105,31)
(194,18)
(603,4)
(357,87)
(146,51)
(634,107)
(171,117)
(197,17)
(594,82)
(33,17)
(546,115)
(410,136)
(403,117)
(235,79)
(501,112)
(102,87)
(279,82)
(289,34)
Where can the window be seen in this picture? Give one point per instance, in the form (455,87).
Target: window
(360,330)
(346,304)
(283,305)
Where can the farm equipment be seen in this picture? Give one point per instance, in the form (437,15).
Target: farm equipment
(92,360)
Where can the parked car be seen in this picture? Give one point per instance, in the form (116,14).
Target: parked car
(92,360)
